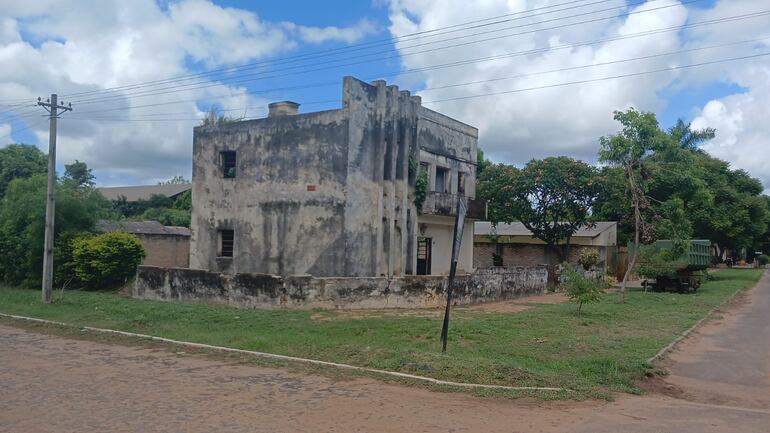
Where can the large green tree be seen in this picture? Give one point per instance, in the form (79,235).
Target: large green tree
(551,197)
(20,161)
(22,216)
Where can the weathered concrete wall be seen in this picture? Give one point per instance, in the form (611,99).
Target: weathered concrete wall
(306,292)
(327,193)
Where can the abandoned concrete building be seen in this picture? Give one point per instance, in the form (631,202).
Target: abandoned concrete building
(366,190)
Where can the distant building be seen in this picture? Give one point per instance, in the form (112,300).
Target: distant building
(514,245)
(332,193)
(144,192)
(165,246)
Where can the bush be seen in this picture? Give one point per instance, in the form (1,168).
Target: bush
(64,260)
(168,216)
(588,258)
(763,260)
(654,263)
(106,261)
(581,289)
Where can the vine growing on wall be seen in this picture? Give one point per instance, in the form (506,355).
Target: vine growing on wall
(420,189)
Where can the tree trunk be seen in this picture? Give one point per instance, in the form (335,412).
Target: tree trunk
(637,223)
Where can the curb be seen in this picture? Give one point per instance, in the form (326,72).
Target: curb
(289,358)
(670,346)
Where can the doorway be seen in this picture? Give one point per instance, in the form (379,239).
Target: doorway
(423,255)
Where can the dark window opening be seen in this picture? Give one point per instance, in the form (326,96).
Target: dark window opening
(442,179)
(227,160)
(226,242)
(497,256)
(461,183)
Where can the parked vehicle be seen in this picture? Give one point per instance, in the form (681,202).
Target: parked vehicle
(683,272)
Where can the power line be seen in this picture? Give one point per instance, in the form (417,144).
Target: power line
(634,74)
(399,54)
(509,77)
(549,86)
(348,48)
(461,62)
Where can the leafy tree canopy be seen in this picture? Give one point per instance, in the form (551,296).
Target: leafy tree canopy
(79,173)
(552,197)
(20,161)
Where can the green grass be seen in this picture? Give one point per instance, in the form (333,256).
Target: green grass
(600,351)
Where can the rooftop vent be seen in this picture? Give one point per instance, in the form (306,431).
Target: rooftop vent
(282,108)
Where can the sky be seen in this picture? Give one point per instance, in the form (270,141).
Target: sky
(537,77)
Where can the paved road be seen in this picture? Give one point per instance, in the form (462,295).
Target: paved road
(719,383)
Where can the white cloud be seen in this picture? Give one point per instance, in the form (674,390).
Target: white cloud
(533,124)
(5,134)
(568,120)
(740,119)
(319,35)
(72,48)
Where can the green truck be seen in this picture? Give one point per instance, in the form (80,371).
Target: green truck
(683,273)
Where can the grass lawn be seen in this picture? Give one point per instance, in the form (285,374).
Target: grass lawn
(603,350)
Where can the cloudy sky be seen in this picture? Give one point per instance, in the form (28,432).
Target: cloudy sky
(537,77)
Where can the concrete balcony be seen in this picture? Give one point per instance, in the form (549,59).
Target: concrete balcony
(441,203)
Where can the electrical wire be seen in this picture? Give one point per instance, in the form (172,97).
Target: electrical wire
(398,53)
(527,89)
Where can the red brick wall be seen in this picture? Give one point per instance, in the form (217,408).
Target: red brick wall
(166,251)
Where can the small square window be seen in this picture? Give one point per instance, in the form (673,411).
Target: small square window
(227,161)
(226,242)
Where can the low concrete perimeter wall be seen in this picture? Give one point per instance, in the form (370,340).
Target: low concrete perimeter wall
(307,292)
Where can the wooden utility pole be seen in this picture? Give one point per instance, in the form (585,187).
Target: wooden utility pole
(53,107)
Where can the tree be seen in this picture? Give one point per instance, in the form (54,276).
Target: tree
(20,161)
(552,198)
(687,138)
(79,173)
(176,180)
(167,216)
(494,185)
(640,137)
(22,216)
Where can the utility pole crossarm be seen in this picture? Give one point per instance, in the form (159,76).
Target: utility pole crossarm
(53,107)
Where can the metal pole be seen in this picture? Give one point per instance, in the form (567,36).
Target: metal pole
(53,108)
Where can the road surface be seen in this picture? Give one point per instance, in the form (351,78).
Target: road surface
(719,383)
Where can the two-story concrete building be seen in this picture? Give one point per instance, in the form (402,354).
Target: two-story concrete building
(332,193)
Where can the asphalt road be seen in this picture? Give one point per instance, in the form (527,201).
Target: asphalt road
(719,382)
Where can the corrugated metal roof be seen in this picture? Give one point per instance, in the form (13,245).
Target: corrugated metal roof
(141,227)
(484,228)
(143,192)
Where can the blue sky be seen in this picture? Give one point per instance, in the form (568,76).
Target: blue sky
(70,49)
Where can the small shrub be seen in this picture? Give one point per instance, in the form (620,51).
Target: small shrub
(581,289)
(763,260)
(106,261)
(610,280)
(588,258)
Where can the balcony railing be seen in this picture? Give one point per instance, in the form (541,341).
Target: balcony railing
(441,203)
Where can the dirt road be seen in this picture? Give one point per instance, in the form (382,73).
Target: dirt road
(720,382)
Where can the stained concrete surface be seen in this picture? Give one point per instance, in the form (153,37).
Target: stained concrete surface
(719,382)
